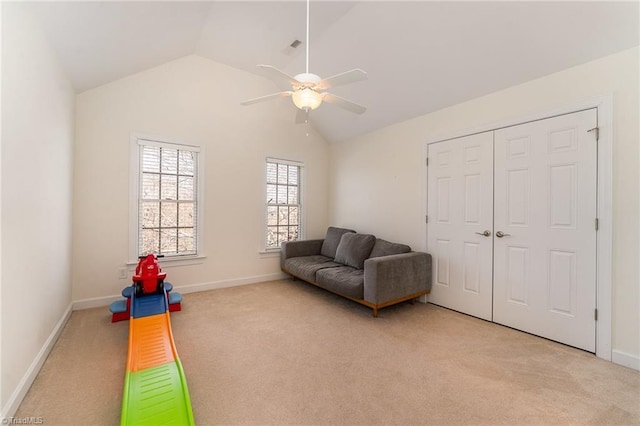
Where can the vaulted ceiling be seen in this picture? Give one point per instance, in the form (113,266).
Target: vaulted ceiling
(419,56)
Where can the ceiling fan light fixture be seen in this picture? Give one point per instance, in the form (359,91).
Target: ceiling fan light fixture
(306,99)
(308,90)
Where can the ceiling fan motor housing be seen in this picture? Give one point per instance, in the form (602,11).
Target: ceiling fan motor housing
(307,77)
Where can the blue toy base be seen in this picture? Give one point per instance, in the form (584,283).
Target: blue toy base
(118,306)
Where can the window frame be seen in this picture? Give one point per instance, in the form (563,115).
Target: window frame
(136,142)
(301,203)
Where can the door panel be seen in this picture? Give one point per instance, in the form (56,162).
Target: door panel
(460,204)
(518,197)
(517,283)
(545,204)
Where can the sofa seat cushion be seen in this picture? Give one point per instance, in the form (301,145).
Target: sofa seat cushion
(331,241)
(354,249)
(343,280)
(385,248)
(305,267)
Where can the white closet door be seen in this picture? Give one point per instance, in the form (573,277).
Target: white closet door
(460,204)
(545,204)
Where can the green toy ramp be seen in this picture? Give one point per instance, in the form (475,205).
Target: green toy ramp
(157,396)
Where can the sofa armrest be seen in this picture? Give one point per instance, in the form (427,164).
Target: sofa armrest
(299,248)
(392,277)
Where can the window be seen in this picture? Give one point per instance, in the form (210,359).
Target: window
(284,207)
(167,198)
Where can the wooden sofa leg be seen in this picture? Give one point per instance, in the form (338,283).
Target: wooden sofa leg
(375,312)
(412,301)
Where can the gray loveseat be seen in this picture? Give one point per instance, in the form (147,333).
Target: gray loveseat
(360,267)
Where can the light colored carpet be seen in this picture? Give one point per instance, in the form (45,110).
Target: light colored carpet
(285,352)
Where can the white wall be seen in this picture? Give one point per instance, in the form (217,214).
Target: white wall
(197,101)
(376,178)
(37,148)
(1,109)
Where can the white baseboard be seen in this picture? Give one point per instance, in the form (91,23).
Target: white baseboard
(94,302)
(214,285)
(625,359)
(9,410)
(97,302)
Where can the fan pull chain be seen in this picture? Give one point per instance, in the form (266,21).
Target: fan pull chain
(306,122)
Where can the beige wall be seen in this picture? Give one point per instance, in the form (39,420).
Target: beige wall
(197,101)
(376,179)
(37,148)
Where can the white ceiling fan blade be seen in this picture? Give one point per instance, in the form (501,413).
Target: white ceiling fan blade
(302,116)
(343,103)
(266,98)
(277,75)
(342,78)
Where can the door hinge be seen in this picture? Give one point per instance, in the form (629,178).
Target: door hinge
(426,161)
(595,314)
(597,223)
(426,219)
(597,130)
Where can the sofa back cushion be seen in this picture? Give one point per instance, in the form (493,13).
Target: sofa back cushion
(354,249)
(385,248)
(331,241)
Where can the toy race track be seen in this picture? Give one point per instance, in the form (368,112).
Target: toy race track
(155,388)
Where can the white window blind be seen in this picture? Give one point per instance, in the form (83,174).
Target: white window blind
(283,207)
(167,199)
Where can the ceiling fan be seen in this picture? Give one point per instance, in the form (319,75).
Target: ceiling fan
(308,90)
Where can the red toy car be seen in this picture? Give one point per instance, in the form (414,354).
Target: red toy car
(149,278)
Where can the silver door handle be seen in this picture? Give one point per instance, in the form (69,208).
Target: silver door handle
(484,234)
(501,234)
